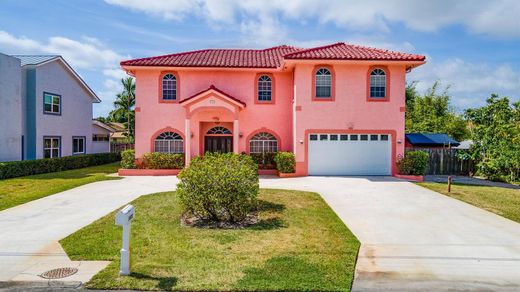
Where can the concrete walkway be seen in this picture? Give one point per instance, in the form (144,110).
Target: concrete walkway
(29,233)
(416,239)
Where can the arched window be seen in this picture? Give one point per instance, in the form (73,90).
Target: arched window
(323,83)
(169,87)
(169,142)
(219,131)
(263,143)
(265,86)
(377,83)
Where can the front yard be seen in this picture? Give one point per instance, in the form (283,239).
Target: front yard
(20,190)
(298,245)
(502,201)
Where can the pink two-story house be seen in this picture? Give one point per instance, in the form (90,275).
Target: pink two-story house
(340,108)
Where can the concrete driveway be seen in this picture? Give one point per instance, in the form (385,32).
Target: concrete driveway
(412,238)
(416,239)
(29,233)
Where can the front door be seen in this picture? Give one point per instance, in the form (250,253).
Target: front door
(220,144)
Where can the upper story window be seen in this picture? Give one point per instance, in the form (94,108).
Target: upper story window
(323,83)
(51,103)
(169,87)
(169,142)
(378,83)
(265,88)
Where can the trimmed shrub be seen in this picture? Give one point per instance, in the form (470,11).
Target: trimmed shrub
(46,165)
(413,163)
(285,162)
(158,160)
(221,187)
(128,159)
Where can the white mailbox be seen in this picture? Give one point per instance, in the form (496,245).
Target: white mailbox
(124,217)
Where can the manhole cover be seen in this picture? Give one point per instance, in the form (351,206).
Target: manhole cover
(59,273)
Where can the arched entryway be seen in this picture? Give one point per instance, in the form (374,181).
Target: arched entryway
(218,139)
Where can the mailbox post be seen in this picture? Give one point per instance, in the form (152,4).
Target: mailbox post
(124,217)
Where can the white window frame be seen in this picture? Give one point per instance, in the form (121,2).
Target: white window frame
(265,89)
(378,80)
(169,85)
(52,103)
(52,147)
(323,79)
(169,142)
(263,142)
(84,141)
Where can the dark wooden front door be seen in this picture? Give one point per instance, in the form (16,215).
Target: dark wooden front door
(221,144)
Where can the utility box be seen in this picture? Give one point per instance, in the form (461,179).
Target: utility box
(124,218)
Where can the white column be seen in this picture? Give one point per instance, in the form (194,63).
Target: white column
(235,136)
(187,140)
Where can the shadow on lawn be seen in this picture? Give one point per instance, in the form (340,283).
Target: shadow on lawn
(269,223)
(165,283)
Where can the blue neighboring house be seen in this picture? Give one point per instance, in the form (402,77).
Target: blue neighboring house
(430,140)
(49,108)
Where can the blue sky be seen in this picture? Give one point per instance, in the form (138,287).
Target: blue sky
(473,45)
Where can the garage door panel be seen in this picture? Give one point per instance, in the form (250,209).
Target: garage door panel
(335,157)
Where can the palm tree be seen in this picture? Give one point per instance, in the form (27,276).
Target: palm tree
(124,106)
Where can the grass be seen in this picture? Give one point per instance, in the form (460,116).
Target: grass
(20,190)
(501,201)
(298,245)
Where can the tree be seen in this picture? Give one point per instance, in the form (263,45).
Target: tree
(496,134)
(124,107)
(432,113)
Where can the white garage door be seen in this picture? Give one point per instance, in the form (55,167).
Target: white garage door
(352,154)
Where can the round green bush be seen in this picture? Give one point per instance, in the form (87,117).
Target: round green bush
(285,162)
(413,163)
(219,187)
(128,159)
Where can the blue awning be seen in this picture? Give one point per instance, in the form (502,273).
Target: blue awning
(429,139)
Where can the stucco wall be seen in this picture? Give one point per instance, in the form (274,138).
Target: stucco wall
(350,110)
(76,108)
(10,109)
(100,146)
(153,116)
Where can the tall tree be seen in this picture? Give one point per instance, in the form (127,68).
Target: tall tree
(495,131)
(432,113)
(124,106)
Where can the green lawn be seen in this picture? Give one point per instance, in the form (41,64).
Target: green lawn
(299,245)
(501,201)
(16,191)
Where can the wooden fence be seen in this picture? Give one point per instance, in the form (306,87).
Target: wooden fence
(118,147)
(446,162)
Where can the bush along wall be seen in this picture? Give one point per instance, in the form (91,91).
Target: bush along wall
(158,160)
(128,159)
(46,165)
(285,162)
(413,163)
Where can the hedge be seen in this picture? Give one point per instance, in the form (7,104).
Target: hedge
(413,163)
(264,160)
(128,159)
(46,165)
(158,160)
(285,162)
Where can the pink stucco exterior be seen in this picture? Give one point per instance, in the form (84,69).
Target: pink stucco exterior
(290,117)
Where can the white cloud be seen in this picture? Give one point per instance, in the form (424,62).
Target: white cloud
(115,73)
(496,18)
(85,55)
(470,83)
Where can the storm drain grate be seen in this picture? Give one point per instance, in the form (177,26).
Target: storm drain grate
(59,273)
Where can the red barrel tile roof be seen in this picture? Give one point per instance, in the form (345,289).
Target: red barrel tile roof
(269,58)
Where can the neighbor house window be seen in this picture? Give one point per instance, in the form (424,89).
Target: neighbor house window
(265,87)
(169,142)
(323,83)
(100,137)
(169,87)
(51,103)
(78,145)
(263,143)
(378,83)
(51,147)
